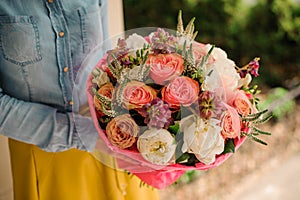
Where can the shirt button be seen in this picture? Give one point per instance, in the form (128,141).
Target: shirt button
(61,34)
(71,103)
(66,69)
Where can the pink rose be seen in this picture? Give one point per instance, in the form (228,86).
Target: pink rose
(181,91)
(165,67)
(136,94)
(122,131)
(230,123)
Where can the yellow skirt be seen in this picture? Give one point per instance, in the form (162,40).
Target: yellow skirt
(70,175)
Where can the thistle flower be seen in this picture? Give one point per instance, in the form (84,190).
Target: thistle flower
(209,105)
(157,114)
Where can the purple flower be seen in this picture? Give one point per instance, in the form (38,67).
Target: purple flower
(157,114)
(120,50)
(209,105)
(243,73)
(252,68)
(163,42)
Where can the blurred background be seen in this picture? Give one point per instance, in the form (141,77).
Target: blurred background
(269,29)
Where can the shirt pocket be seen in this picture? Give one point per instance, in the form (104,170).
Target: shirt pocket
(19,39)
(91,27)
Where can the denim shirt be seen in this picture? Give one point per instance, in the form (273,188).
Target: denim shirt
(42,44)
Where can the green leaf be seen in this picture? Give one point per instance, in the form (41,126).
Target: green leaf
(183,157)
(255,116)
(264,120)
(179,155)
(257,140)
(260,131)
(204,59)
(192,160)
(229,146)
(174,128)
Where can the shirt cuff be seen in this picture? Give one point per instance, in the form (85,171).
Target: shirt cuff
(85,134)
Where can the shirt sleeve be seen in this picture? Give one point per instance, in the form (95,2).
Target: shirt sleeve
(44,126)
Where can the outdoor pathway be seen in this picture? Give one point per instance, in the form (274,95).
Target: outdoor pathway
(282,182)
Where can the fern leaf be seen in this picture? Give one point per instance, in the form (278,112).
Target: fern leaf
(112,69)
(260,131)
(257,139)
(255,116)
(110,113)
(264,120)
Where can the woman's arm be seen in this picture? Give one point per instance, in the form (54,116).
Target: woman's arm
(44,126)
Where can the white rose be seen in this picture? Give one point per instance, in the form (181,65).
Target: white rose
(157,146)
(221,74)
(202,138)
(217,53)
(135,41)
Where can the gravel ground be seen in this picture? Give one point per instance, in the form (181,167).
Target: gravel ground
(247,165)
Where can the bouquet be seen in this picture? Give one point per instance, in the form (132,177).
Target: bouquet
(164,104)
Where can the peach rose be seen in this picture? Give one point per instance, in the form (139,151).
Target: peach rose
(122,131)
(165,67)
(181,91)
(106,90)
(230,123)
(241,103)
(136,94)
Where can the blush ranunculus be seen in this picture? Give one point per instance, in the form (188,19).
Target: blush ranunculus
(122,131)
(105,90)
(165,67)
(181,91)
(137,94)
(230,123)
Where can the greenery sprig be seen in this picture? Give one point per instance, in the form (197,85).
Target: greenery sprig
(142,54)
(105,103)
(256,118)
(120,90)
(189,30)
(115,70)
